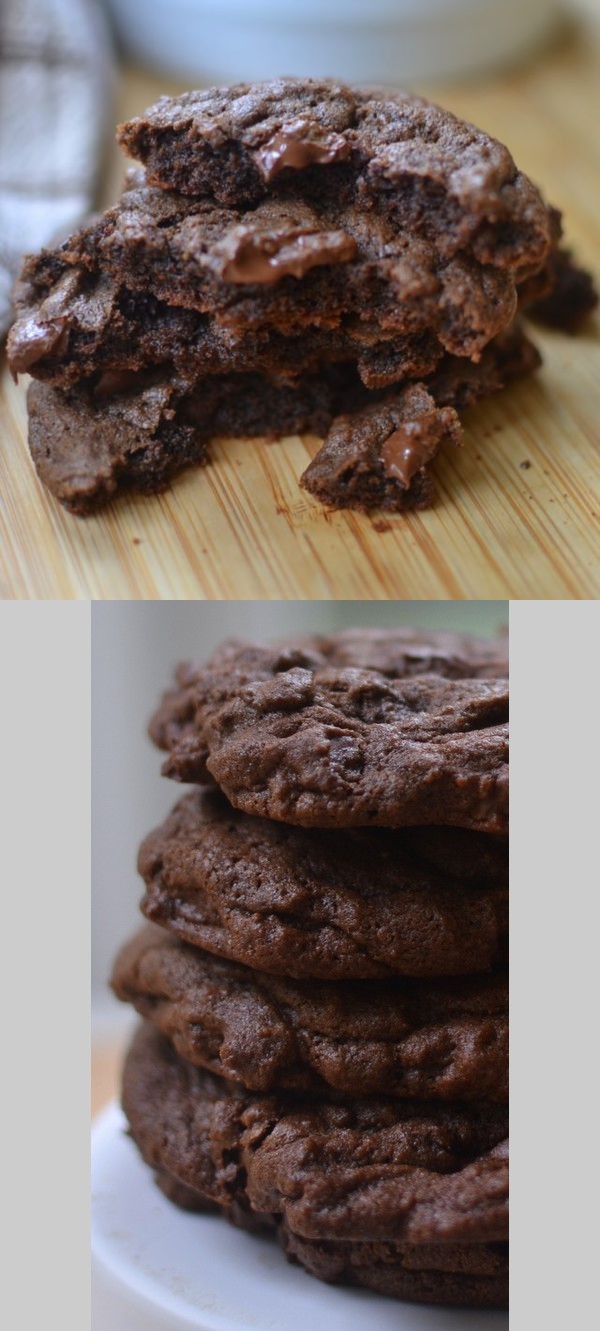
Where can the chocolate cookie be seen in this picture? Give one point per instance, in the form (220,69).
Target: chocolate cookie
(302,736)
(412,161)
(431,1040)
(371,1170)
(286,265)
(84,323)
(461,383)
(325,904)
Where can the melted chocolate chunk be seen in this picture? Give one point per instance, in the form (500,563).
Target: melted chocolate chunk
(300,144)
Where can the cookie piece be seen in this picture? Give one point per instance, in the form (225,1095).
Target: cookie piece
(379,457)
(301,737)
(326,905)
(134,432)
(285,265)
(362,1170)
(429,1041)
(429,171)
(85,323)
(86,448)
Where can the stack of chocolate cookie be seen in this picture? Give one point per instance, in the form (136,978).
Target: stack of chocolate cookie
(324,978)
(292,254)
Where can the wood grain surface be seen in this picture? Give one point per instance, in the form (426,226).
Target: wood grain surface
(517,509)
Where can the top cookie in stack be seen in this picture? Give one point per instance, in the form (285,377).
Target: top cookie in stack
(289,251)
(385,729)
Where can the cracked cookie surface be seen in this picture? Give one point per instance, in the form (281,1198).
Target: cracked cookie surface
(408,1039)
(394,152)
(322,737)
(83,324)
(309,903)
(371,1170)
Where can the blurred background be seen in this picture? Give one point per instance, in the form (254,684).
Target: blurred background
(134,650)
(364,40)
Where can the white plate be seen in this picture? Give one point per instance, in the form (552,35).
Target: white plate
(156,1268)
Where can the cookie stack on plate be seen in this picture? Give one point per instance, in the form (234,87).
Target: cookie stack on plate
(324,978)
(292,256)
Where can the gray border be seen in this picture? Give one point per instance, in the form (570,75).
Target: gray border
(554,651)
(45,672)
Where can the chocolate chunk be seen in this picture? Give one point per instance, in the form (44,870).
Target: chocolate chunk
(269,257)
(299,144)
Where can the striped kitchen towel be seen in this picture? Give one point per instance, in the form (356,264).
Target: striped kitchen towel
(55,92)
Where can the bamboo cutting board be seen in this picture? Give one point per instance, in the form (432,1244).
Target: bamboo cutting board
(517,509)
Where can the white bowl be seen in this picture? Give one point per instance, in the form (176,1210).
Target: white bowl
(365,41)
